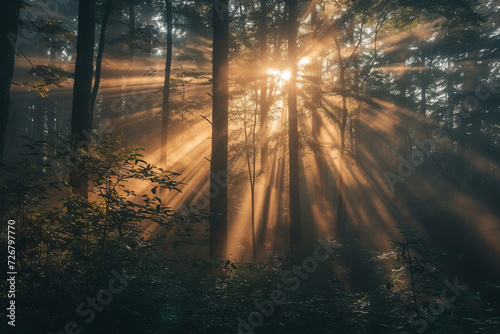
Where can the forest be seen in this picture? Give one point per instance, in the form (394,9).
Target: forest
(250,166)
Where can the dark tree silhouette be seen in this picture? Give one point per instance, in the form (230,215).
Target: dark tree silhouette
(166,88)
(100,54)
(9,22)
(264,98)
(220,107)
(81,121)
(293,133)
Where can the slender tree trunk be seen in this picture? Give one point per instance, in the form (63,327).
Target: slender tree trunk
(402,130)
(251,170)
(166,90)
(293,134)
(356,139)
(461,132)
(127,85)
(220,106)
(265,98)
(100,54)
(316,120)
(131,18)
(423,87)
(340,202)
(39,124)
(264,104)
(84,66)
(448,126)
(9,22)
(476,117)
(351,137)
(51,106)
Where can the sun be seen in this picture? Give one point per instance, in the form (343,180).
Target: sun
(286,75)
(282,76)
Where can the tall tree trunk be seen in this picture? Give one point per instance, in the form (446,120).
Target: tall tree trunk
(316,120)
(402,130)
(9,22)
(470,73)
(423,86)
(293,133)
(264,104)
(265,98)
(476,109)
(100,54)
(448,126)
(220,106)
(84,66)
(355,129)
(39,124)
(251,169)
(127,86)
(340,202)
(51,106)
(131,19)
(166,88)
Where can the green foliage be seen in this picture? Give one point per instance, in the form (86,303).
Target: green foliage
(67,244)
(45,76)
(144,38)
(54,28)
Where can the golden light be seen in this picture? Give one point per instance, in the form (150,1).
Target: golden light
(273,72)
(286,75)
(282,75)
(304,61)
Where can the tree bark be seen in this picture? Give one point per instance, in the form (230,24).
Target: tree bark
(166,89)
(356,138)
(340,202)
(293,135)
(9,22)
(264,104)
(477,114)
(423,85)
(220,106)
(316,120)
(51,107)
(100,54)
(131,19)
(84,66)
